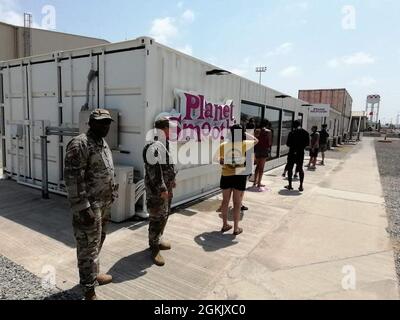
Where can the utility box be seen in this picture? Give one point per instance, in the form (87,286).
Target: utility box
(17,131)
(112,137)
(124,206)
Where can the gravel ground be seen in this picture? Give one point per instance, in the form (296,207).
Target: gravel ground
(388,155)
(16,283)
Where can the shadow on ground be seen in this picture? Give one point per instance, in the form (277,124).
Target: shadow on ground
(294,193)
(131,267)
(52,217)
(214,241)
(74,293)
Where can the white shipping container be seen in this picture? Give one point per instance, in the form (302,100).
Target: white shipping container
(139,79)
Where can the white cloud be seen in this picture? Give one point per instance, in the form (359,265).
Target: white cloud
(10,13)
(188,16)
(164,29)
(364,82)
(186,49)
(358,58)
(283,49)
(290,72)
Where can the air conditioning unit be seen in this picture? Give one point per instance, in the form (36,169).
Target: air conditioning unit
(124,206)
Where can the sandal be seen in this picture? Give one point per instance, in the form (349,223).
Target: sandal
(289,188)
(237,232)
(226,228)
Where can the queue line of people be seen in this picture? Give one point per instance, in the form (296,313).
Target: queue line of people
(90,182)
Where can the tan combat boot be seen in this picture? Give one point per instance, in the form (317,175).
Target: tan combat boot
(157,257)
(104,279)
(164,245)
(90,295)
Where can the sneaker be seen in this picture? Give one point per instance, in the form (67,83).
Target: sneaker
(244,208)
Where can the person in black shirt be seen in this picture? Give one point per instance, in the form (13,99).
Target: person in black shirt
(297,141)
(314,148)
(323,142)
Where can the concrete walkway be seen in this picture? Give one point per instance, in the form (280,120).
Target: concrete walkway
(295,246)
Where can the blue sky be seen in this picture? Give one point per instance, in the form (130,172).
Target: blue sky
(304,43)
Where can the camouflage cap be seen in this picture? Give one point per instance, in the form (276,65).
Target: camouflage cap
(163,120)
(100,114)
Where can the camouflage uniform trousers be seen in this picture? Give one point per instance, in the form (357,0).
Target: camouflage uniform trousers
(90,233)
(159,211)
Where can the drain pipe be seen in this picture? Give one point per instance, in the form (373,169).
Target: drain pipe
(45,174)
(91,76)
(18,161)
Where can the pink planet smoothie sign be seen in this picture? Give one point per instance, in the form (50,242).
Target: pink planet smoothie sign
(200,119)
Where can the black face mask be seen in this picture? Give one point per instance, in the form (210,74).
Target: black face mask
(100,128)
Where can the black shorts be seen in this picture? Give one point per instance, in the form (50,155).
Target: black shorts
(295,159)
(234,182)
(262,154)
(314,153)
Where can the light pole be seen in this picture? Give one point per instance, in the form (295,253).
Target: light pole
(261,70)
(398,121)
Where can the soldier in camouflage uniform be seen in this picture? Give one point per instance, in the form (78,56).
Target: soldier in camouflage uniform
(159,182)
(89,178)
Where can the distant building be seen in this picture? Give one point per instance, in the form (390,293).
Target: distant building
(18,42)
(341,104)
(359,122)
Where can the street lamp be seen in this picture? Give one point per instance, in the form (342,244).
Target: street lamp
(261,70)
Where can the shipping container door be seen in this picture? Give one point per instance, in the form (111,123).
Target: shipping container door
(72,79)
(122,86)
(43,93)
(2,124)
(16,134)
